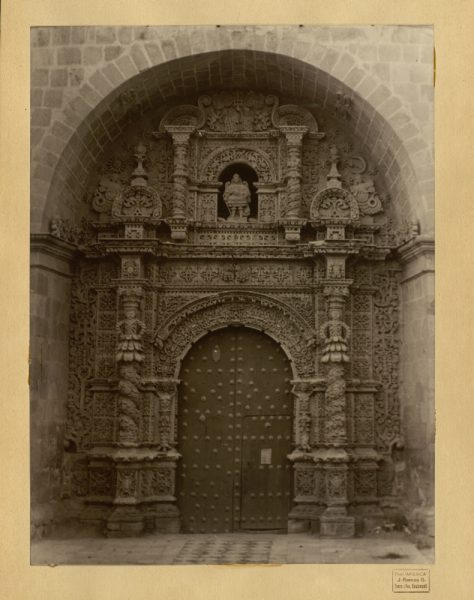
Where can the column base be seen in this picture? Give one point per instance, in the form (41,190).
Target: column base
(336,523)
(125,521)
(167,519)
(298,525)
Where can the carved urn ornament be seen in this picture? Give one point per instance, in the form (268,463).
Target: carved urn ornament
(137,201)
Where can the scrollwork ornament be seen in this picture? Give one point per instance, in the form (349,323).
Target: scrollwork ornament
(259,160)
(233,111)
(253,309)
(165,421)
(334,205)
(106,192)
(387,355)
(129,396)
(363,189)
(335,407)
(80,234)
(305,482)
(293,115)
(137,201)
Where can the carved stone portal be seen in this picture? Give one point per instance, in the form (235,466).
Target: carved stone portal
(159,270)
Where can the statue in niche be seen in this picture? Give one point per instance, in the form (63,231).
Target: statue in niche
(237,198)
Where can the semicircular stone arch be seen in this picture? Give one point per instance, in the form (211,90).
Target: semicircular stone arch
(255,311)
(156,65)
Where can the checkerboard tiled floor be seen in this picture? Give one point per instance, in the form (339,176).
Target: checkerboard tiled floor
(184,549)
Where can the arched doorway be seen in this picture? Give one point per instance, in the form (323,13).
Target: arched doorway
(234,433)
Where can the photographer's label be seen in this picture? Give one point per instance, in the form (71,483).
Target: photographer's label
(411,580)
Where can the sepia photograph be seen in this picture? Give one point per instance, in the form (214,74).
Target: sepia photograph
(232,295)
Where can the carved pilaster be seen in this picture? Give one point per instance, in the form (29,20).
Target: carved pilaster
(167,390)
(335,336)
(307,477)
(206,209)
(267,202)
(302,417)
(122,465)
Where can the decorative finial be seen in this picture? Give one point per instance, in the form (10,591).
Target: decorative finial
(334,177)
(139,175)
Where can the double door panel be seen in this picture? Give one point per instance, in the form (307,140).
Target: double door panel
(234,432)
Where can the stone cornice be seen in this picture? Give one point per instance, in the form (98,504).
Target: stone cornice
(52,254)
(419,246)
(417,257)
(49,244)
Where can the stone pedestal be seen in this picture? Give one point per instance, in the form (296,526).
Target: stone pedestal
(336,523)
(125,521)
(178,229)
(167,519)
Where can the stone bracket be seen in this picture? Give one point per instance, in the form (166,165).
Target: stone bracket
(292,229)
(179,229)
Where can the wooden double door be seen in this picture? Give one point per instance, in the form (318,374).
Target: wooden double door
(234,433)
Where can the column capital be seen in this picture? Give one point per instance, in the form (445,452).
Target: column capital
(338,287)
(294,133)
(180,133)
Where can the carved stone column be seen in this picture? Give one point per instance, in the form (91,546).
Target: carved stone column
(290,215)
(177,222)
(136,207)
(129,359)
(126,518)
(335,334)
(165,512)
